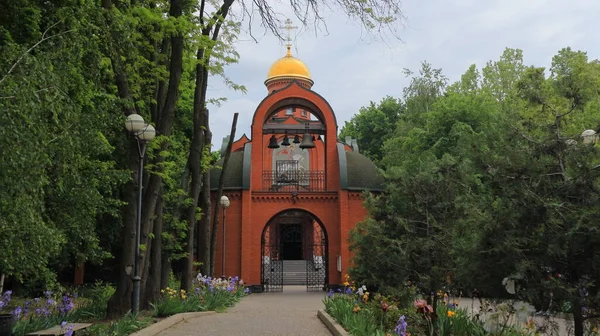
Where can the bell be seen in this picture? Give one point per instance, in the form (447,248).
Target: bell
(273,142)
(286,141)
(297,139)
(307,141)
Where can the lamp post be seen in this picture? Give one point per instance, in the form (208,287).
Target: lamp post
(225,204)
(143,133)
(589,136)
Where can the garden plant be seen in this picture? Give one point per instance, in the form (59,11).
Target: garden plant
(54,309)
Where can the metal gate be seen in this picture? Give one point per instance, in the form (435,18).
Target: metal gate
(271,263)
(316,263)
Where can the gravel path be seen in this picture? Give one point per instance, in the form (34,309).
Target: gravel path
(291,313)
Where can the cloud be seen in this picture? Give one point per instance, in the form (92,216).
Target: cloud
(350,70)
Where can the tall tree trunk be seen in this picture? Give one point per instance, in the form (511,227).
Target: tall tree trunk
(166,251)
(154,278)
(195,164)
(201,126)
(204,225)
(167,116)
(215,224)
(165,270)
(120,302)
(577,315)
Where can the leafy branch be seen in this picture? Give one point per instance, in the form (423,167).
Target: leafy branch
(44,38)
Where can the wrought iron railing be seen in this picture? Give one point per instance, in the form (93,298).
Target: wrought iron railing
(290,181)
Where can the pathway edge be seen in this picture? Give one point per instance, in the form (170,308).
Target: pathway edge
(334,328)
(168,322)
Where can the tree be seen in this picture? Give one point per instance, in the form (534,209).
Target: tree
(69,73)
(497,169)
(58,178)
(372,126)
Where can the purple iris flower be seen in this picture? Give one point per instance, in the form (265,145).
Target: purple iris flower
(402,326)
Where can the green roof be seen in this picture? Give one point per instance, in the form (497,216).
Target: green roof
(233,175)
(357,172)
(362,173)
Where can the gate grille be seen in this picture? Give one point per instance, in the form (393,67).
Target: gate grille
(316,265)
(271,265)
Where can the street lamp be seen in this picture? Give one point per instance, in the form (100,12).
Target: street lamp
(143,133)
(225,204)
(589,136)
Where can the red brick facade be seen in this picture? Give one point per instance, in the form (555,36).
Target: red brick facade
(329,197)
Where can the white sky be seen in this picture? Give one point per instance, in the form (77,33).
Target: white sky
(350,69)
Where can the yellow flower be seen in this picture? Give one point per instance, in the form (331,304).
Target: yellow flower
(346,283)
(450,313)
(356,309)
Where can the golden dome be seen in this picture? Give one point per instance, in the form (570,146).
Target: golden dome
(288,66)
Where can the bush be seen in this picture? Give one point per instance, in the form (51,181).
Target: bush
(93,302)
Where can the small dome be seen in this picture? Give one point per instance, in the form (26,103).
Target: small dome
(233,175)
(288,66)
(362,173)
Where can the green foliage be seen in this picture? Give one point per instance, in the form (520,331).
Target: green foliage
(372,126)
(206,295)
(491,178)
(58,177)
(124,326)
(361,323)
(96,300)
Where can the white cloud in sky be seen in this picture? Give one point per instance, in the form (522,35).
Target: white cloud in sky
(350,70)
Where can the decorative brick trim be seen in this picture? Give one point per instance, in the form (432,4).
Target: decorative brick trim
(289,197)
(233,195)
(355,195)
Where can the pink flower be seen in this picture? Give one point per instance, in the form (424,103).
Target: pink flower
(423,307)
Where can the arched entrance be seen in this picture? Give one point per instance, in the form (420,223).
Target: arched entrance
(294,252)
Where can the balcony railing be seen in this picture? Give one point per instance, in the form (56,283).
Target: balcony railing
(290,181)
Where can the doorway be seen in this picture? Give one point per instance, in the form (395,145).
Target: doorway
(291,242)
(294,252)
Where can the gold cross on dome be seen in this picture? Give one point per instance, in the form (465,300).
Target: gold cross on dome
(288,26)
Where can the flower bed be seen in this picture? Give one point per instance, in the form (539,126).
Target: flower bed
(366,314)
(207,294)
(52,310)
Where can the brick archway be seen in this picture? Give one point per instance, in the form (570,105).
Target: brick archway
(294,247)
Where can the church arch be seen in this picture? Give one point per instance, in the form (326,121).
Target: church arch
(298,96)
(294,251)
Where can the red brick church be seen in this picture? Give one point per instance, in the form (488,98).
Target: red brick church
(295,190)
